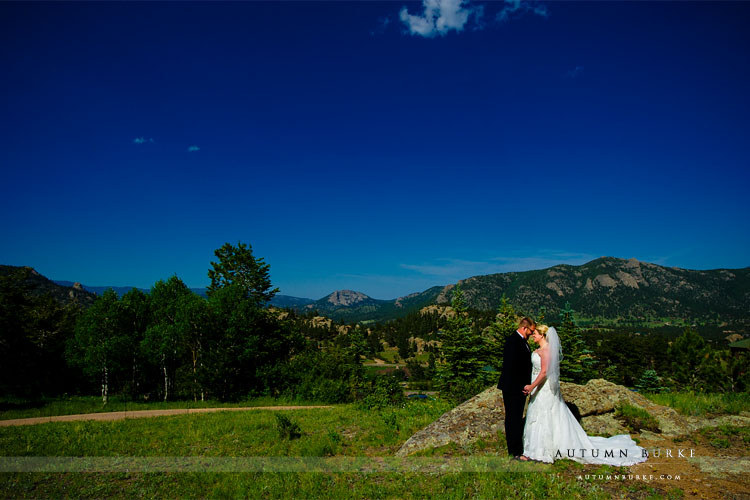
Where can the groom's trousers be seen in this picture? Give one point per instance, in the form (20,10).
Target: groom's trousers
(514,401)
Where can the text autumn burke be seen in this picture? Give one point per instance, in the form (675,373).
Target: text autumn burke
(655,453)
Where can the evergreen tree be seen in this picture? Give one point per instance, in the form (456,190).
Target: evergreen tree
(687,353)
(505,323)
(576,364)
(461,374)
(650,382)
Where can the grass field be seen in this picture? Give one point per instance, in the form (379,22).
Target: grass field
(703,404)
(343,431)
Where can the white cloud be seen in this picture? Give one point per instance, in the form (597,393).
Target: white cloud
(517,8)
(193,149)
(142,140)
(439,17)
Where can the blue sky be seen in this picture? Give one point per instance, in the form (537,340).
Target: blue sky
(378,146)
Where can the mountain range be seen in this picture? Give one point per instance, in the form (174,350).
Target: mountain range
(607,288)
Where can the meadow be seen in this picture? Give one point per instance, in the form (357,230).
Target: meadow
(344,432)
(347,430)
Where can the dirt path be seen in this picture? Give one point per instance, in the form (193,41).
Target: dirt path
(121,415)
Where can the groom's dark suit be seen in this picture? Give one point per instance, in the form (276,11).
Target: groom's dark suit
(515,375)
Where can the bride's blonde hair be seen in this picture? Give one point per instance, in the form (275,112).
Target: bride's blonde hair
(542,329)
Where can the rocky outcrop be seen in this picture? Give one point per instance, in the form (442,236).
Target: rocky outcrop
(30,282)
(346,297)
(483,416)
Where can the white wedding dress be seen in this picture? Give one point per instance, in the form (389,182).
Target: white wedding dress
(553,433)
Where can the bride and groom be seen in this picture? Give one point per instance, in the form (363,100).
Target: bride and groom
(550,431)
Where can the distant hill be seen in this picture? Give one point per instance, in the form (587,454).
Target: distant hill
(607,288)
(616,288)
(277,301)
(39,285)
(347,305)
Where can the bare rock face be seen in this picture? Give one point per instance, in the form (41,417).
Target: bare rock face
(483,416)
(346,297)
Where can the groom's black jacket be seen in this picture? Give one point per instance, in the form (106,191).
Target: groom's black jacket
(516,364)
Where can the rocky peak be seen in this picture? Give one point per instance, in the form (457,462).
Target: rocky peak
(346,297)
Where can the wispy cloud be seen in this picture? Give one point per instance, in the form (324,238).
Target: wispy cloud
(438,17)
(514,9)
(193,149)
(455,269)
(573,73)
(142,140)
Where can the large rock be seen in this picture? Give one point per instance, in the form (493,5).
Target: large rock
(483,416)
(600,397)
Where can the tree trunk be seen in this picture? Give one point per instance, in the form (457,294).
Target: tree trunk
(105,385)
(195,378)
(166,377)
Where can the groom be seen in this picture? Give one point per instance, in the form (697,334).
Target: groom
(515,375)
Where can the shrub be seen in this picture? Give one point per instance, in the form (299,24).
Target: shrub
(287,428)
(384,391)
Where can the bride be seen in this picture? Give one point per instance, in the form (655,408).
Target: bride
(551,431)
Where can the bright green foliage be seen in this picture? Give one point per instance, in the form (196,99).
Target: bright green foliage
(463,352)
(385,391)
(327,375)
(577,363)
(238,266)
(505,323)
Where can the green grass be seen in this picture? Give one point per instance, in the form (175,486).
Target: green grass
(343,430)
(703,404)
(12,409)
(724,436)
(227,434)
(389,356)
(298,485)
(635,418)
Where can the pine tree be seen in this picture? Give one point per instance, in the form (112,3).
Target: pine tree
(505,323)
(463,351)
(576,364)
(650,381)
(687,353)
